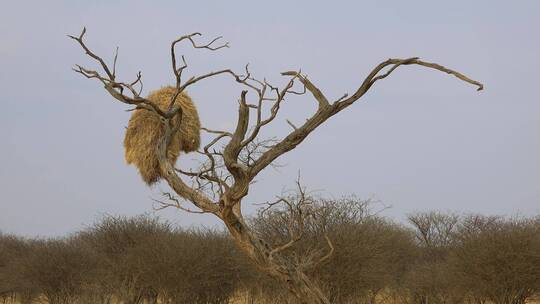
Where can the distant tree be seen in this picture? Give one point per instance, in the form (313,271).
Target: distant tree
(370,257)
(224,179)
(429,279)
(434,230)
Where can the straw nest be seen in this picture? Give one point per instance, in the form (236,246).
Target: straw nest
(145,130)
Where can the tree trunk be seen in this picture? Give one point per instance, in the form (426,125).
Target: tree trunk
(306,291)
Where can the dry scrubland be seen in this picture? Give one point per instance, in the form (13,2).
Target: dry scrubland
(435,258)
(245,300)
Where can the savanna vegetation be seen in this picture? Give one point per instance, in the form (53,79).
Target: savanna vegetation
(297,249)
(434,258)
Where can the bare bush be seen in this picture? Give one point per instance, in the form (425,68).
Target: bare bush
(121,246)
(13,285)
(53,268)
(447,259)
(196,266)
(143,259)
(498,259)
(370,253)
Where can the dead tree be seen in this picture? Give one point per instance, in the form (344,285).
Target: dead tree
(224,178)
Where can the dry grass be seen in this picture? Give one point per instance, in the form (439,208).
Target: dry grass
(145,130)
(243,300)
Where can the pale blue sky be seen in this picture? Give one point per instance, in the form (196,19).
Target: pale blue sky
(419,140)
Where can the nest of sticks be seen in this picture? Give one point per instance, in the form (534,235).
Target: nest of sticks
(145,129)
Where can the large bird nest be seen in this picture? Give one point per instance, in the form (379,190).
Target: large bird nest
(145,129)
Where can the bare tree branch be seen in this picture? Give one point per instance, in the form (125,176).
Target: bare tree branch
(326,110)
(328,255)
(175,203)
(395,63)
(79,39)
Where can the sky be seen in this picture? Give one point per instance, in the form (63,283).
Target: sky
(419,140)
